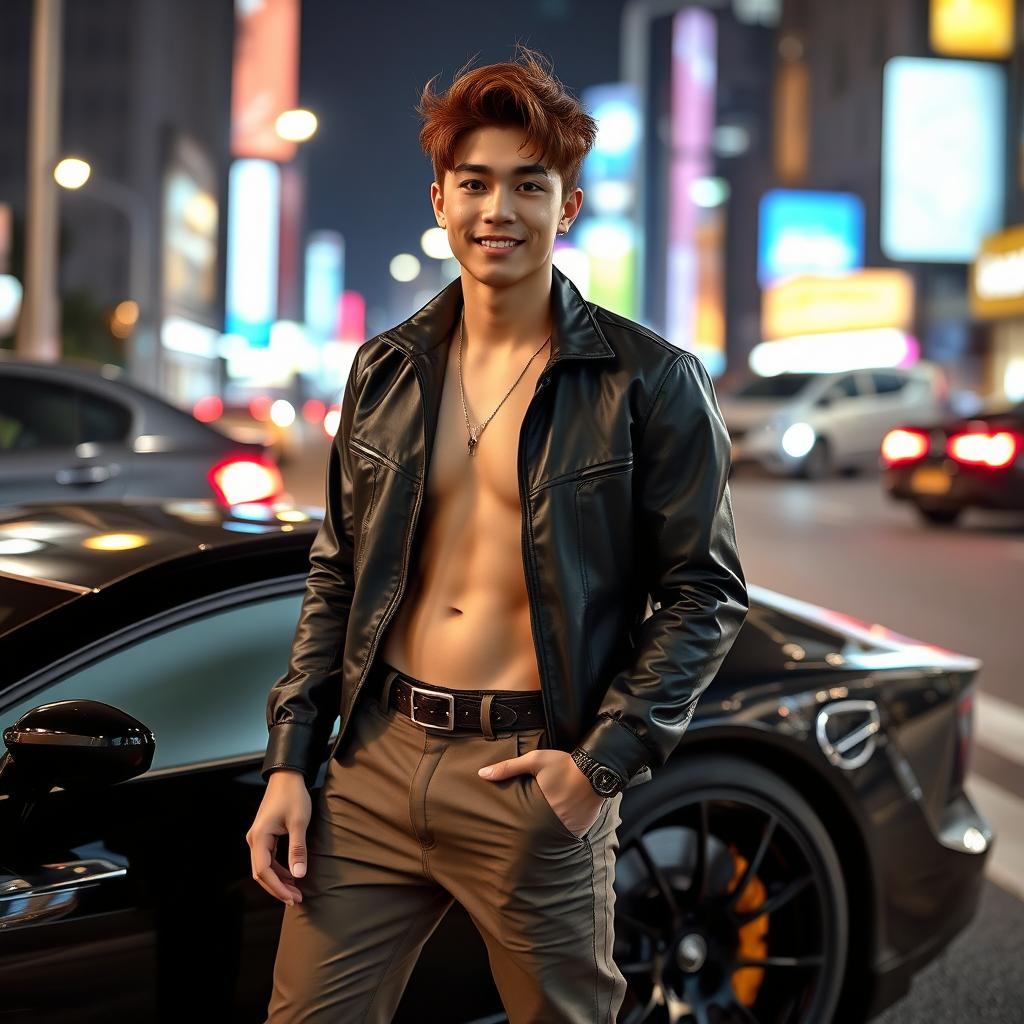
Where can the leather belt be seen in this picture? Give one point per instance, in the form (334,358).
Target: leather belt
(458,711)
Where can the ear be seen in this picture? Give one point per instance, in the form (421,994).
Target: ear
(437,202)
(571,207)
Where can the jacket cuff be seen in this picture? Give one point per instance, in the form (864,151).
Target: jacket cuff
(614,745)
(292,745)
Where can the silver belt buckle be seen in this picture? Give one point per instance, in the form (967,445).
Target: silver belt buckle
(450,697)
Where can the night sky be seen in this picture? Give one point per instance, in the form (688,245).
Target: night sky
(362,68)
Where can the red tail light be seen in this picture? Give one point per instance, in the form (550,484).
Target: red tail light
(239,479)
(259,408)
(208,409)
(903,445)
(981,448)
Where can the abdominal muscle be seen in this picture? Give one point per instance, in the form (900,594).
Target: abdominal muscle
(464,620)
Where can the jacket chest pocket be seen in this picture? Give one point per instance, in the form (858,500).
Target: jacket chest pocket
(368,466)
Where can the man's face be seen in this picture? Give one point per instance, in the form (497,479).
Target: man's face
(497,191)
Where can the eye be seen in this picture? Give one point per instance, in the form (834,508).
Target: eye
(477,181)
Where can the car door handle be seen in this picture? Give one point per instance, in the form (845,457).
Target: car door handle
(53,891)
(85,474)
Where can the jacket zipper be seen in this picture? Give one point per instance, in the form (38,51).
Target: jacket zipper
(605,467)
(372,454)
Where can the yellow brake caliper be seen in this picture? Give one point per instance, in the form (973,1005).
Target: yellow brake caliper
(747,981)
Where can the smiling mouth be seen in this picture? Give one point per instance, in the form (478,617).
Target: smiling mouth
(485,244)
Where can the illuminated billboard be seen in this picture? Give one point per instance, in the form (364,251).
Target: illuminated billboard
(803,232)
(190,228)
(254,206)
(325,271)
(265,76)
(972,28)
(942,157)
(877,297)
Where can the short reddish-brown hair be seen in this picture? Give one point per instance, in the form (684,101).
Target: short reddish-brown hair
(524,95)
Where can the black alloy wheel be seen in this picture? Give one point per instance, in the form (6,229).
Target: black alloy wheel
(817,464)
(730,902)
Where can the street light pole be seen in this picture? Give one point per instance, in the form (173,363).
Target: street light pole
(38,335)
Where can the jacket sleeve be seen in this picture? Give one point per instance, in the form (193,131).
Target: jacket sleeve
(305,701)
(688,547)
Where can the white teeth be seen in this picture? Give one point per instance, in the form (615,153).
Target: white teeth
(497,245)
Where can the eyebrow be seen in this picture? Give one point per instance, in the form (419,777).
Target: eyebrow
(523,169)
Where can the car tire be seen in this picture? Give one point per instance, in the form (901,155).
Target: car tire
(939,516)
(817,464)
(751,820)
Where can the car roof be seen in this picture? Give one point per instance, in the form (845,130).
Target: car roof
(152,412)
(84,548)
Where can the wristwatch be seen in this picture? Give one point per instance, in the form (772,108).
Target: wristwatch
(606,781)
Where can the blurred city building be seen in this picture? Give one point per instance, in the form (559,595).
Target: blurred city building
(777,185)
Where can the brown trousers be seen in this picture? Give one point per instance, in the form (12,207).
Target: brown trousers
(404,826)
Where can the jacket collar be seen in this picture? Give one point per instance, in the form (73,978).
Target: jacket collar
(576,334)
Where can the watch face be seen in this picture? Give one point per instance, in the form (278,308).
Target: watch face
(604,780)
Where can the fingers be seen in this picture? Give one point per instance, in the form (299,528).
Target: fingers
(297,850)
(267,872)
(527,762)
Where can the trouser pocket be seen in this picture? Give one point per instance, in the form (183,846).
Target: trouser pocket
(536,739)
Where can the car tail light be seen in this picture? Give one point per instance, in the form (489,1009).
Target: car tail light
(981,448)
(259,408)
(243,478)
(902,445)
(313,410)
(208,409)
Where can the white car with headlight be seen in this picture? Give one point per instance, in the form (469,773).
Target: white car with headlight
(815,424)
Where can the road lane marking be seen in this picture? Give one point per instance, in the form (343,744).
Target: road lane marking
(1005,813)
(999,726)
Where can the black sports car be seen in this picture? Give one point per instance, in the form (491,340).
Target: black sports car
(808,848)
(944,469)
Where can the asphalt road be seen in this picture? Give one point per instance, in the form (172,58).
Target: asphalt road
(843,544)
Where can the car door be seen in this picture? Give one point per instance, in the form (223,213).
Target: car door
(838,415)
(177,912)
(55,442)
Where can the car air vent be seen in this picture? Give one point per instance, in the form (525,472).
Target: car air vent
(846,732)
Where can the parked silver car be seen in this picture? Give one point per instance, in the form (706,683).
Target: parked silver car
(815,424)
(77,434)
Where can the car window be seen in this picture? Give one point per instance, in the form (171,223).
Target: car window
(845,387)
(200,686)
(103,420)
(36,414)
(888,383)
(784,385)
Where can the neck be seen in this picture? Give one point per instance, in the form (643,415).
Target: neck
(508,319)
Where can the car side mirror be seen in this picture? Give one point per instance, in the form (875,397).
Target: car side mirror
(75,744)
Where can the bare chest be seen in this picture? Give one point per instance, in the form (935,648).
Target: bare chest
(490,474)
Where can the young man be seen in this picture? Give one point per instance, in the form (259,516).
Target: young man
(516,470)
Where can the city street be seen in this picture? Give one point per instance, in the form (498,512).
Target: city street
(844,545)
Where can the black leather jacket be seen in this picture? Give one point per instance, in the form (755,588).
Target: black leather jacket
(623,461)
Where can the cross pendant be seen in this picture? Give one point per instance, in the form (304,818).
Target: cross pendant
(471,443)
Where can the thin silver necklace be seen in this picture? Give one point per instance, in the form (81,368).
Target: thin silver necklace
(474,434)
